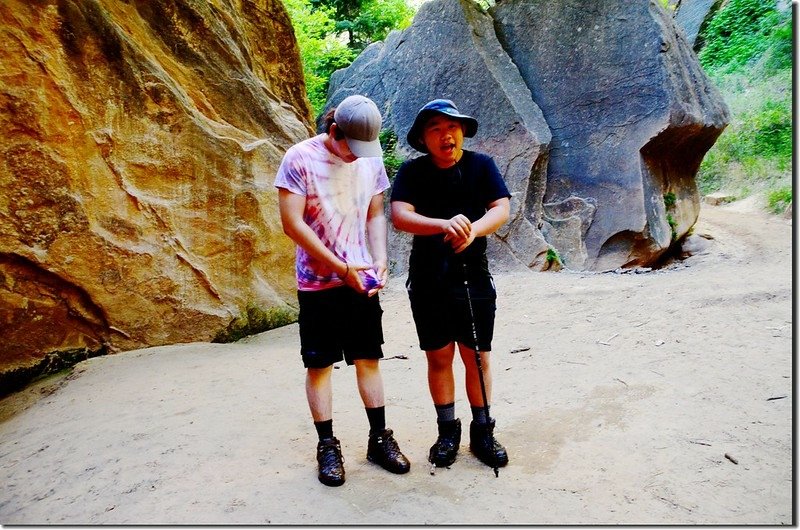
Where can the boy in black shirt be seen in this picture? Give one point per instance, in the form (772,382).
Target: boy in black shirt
(451,199)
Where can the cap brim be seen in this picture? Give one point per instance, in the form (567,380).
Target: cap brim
(363,149)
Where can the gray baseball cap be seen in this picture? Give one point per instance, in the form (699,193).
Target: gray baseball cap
(360,120)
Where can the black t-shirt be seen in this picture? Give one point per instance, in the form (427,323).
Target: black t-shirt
(467,188)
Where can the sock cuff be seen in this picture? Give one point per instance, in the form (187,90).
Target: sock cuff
(446,412)
(377,418)
(324,429)
(479,414)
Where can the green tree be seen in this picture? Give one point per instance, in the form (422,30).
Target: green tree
(377,18)
(331,34)
(367,21)
(321,51)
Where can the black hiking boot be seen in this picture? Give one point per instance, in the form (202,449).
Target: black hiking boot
(443,452)
(331,462)
(383,450)
(484,446)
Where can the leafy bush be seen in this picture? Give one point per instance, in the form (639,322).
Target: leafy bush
(748,55)
(391,161)
(552,256)
(738,33)
(781,47)
(778,200)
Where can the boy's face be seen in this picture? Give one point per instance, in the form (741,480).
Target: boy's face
(443,136)
(340,147)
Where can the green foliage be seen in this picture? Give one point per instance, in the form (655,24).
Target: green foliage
(256,320)
(331,34)
(322,53)
(755,150)
(376,19)
(780,47)
(669,202)
(673,226)
(366,21)
(552,257)
(778,200)
(669,5)
(391,161)
(740,31)
(767,131)
(748,55)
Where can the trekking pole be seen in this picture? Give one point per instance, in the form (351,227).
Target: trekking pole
(478,361)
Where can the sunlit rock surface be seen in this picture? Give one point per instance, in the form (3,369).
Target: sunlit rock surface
(140,142)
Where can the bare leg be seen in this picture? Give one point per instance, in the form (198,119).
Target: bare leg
(382,448)
(319,392)
(440,374)
(370,382)
(472,379)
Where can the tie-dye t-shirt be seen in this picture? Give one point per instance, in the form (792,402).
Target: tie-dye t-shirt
(337,195)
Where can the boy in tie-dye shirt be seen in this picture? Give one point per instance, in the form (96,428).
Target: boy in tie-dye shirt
(337,196)
(330,190)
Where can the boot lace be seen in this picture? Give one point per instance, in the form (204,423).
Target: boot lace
(330,454)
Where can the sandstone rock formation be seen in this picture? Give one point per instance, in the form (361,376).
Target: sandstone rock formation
(451,51)
(632,115)
(690,15)
(140,140)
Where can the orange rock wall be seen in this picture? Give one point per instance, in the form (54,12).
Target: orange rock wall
(140,142)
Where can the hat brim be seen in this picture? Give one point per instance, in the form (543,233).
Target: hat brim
(414,136)
(364,149)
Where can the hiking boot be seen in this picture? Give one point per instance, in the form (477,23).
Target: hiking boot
(383,450)
(331,462)
(484,446)
(443,452)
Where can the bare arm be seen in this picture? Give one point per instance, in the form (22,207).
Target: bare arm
(496,214)
(405,218)
(376,235)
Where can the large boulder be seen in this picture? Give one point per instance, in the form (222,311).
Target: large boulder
(451,51)
(691,15)
(630,110)
(632,115)
(140,140)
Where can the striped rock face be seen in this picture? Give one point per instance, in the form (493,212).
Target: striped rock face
(140,142)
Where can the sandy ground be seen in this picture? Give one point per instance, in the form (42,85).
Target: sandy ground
(655,398)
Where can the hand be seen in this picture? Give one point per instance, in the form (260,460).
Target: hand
(458,227)
(352,278)
(382,273)
(459,245)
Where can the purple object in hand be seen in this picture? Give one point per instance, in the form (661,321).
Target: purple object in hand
(370,279)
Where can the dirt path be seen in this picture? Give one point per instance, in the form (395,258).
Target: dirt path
(658,398)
